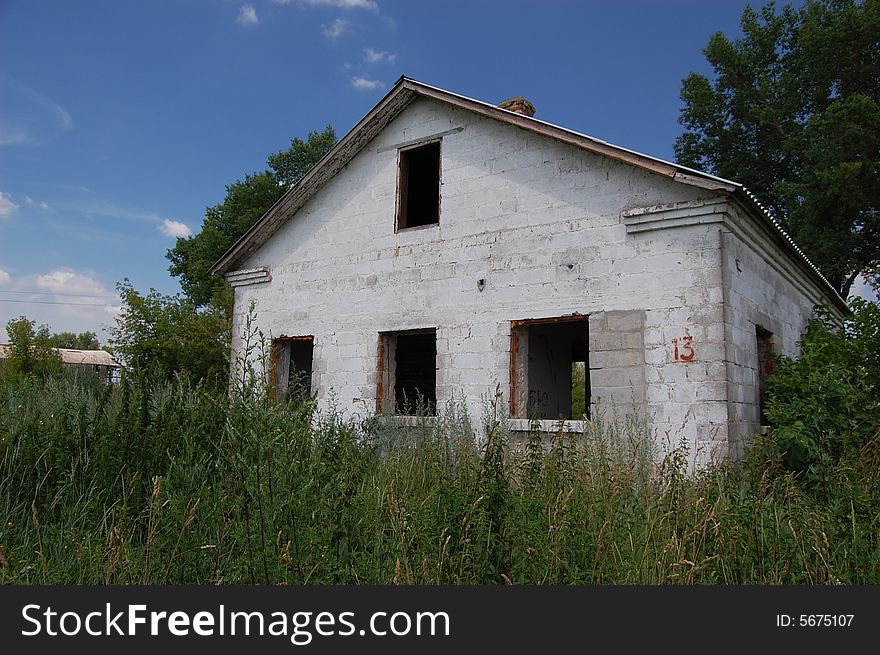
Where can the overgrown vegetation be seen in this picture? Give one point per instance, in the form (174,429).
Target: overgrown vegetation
(157,481)
(825,405)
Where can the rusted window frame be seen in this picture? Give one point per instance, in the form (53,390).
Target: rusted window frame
(514,347)
(765,338)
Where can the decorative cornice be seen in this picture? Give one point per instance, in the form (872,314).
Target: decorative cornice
(674,214)
(248,277)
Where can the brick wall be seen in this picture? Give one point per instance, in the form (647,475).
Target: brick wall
(543,225)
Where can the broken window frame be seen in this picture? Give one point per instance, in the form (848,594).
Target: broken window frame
(402,209)
(387,391)
(281,358)
(519,366)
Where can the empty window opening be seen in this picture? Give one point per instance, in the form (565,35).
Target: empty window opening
(550,371)
(418,201)
(408,372)
(764,340)
(292,365)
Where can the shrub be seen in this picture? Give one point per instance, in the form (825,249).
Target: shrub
(825,405)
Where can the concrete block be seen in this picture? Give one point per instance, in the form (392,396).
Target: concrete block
(626,321)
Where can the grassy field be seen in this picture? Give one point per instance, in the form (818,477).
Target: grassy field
(157,482)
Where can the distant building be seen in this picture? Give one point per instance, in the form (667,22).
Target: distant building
(100,362)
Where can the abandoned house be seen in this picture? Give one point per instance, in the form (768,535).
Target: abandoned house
(448,247)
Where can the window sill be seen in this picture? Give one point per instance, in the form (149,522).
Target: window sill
(415,228)
(548,425)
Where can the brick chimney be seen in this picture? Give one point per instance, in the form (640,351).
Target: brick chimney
(519,105)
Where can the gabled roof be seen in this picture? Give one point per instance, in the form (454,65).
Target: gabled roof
(406,90)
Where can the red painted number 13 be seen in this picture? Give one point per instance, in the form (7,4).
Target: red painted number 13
(686,352)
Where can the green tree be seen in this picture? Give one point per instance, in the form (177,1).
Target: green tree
(169,334)
(31,351)
(793,113)
(81,341)
(245,202)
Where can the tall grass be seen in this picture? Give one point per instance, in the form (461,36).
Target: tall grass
(151,481)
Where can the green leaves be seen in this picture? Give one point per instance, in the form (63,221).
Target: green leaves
(81,341)
(826,404)
(792,114)
(289,166)
(31,350)
(169,334)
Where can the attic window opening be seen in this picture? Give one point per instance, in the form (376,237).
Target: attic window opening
(550,368)
(292,367)
(408,372)
(418,186)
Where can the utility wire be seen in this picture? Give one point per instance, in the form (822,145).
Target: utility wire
(50,302)
(58,293)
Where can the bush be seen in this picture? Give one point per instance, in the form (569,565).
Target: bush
(30,350)
(825,405)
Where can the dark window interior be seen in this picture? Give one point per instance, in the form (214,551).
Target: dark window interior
(300,375)
(765,368)
(292,361)
(415,373)
(553,363)
(419,186)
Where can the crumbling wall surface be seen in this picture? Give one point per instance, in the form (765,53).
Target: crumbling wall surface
(529,228)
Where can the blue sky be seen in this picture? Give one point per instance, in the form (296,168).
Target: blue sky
(121,121)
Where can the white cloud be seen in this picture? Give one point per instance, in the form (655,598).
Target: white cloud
(13,134)
(342,4)
(363,84)
(64,299)
(336,29)
(6,206)
(30,202)
(375,56)
(174,229)
(248,15)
